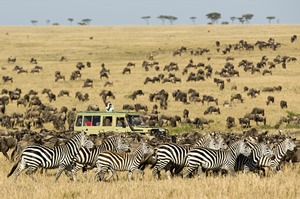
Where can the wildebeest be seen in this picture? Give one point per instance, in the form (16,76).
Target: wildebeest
(7,78)
(108,83)
(270,99)
(211,109)
(256,110)
(63,92)
(103,75)
(237,96)
(209,98)
(218,81)
(128,107)
(126,70)
(259,118)
(93,107)
(244,121)
(283,104)
(230,122)
(33,60)
(11,59)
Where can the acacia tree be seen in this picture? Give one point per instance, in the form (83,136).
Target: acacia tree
(213,16)
(34,22)
(248,17)
(86,21)
(241,19)
(270,18)
(146,18)
(48,21)
(162,18)
(193,19)
(70,20)
(171,19)
(232,19)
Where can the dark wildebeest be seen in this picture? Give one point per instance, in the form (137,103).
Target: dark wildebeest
(51,96)
(125,70)
(103,75)
(7,78)
(128,107)
(62,93)
(230,122)
(209,98)
(256,110)
(244,121)
(259,118)
(93,107)
(211,109)
(283,104)
(270,99)
(185,113)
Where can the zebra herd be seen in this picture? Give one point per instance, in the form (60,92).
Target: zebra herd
(211,152)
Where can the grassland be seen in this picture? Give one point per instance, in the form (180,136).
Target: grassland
(116,46)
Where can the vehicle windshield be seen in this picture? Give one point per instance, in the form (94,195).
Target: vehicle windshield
(134,120)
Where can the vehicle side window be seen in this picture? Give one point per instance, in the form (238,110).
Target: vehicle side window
(107,121)
(121,122)
(96,120)
(79,121)
(87,121)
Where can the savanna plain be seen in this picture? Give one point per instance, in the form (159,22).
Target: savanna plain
(115,46)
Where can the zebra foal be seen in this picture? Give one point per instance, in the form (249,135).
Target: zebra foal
(110,161)
(211,159)
(61,157)
(88,157)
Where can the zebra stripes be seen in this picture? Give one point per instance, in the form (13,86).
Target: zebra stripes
(110,161)
(173,155)
(244,163)
(88,157)
(199,158)
(279,153)
(61,157)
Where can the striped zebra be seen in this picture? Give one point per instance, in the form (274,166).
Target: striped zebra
(88,157)
(211,159)
(258,150)
(110,161)
(171,155)
(61,157)
(280,152)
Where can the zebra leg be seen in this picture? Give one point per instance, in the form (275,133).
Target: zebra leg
(111,174)
(30,172)
(190,170)
(61,168)
(199,172)
(137,171)
(20,169)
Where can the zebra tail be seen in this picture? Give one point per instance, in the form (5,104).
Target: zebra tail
(14,167)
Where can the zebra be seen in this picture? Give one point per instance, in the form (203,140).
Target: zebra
(60,157)
(110,161)
(244,163)
(279,151)
(216,159)
(174,155)
(88,157)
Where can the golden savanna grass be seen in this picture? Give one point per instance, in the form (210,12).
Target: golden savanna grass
(116,46)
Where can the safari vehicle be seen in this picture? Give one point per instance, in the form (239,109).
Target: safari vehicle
(98,121)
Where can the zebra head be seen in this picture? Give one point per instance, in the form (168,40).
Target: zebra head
(244,148)
(289,144)
(84,140)
(123,145)
(221,142)
(146,148)
(267,150)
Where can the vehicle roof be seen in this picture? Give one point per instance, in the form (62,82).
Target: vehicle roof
(107,113)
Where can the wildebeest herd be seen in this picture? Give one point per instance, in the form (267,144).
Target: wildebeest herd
(38,114)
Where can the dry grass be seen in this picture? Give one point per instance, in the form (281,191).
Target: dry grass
(284,185)
(116,46)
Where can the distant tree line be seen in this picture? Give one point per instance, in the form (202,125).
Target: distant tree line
(213,17)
